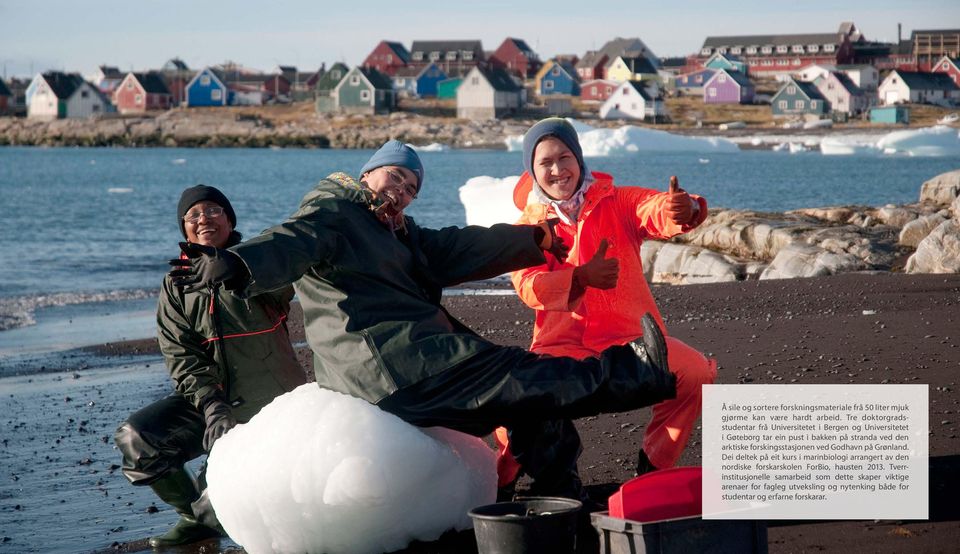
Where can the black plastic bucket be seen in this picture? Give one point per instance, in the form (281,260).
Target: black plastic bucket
(532,525)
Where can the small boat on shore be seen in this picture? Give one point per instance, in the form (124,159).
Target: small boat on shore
(949,118)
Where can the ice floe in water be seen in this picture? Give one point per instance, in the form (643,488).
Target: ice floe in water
(432,147)
(488,200)
(629,139)
(319,471)
(939,140)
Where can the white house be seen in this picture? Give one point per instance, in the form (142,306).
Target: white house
(916,87)
(59,95)
(866,77)
(842,94)
(488,94)
(632,101)
(86,101)
(812,71)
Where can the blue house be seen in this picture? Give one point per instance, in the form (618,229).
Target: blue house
(206,89)
(557,78)
(418,81)
(693,82)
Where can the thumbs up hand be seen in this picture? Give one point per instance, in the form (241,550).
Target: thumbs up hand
(680,208)
(600,272)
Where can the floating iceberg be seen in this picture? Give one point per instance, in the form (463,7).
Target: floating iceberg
(939,140)
(844,145)
(319,471)
(629,139)
(432,147)
(488,200)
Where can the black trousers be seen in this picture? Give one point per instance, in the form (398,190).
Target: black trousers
(159,438)
(536,397)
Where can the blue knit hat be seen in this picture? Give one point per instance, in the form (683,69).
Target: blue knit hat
(394,152)
(556,127)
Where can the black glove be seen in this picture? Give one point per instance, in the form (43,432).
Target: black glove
(207,266)
(218,417)
(548,240)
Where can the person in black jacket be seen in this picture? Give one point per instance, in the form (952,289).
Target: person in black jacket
(370,282)
(228,358)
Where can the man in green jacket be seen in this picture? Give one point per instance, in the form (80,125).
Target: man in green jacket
(370,281)
(228,358)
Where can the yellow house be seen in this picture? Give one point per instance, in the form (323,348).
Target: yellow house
(627,68)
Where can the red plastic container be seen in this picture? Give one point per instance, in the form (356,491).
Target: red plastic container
(658,495)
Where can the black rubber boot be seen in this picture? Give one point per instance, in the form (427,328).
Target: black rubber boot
(643,464)
(179,490)
(651,346)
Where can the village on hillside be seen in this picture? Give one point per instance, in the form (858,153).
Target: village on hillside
(795,80)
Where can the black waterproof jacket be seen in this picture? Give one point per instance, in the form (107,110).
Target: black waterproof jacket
(371,299)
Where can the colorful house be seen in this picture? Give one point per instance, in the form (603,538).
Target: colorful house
(447,88)
(277,87)
(106,78)
(866,77)
(728,87)
(597,90)
(387,57)
(58,95)
(488,94)
(515,56)
(557,78)
(917,88)
(420,82)
(454,57)
(725,61)
(692,83)
(632,101)
(142,92)
(950,66)
(6,98)
(176,75)
(841,94)
(206,89)
(631,68)
(591,65)
(627,47)
(365,90)
(890,114)
(797,98)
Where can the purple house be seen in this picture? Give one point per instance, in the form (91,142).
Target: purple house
(728,87)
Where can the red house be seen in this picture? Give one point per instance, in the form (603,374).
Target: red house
(140,92)
(591,65)
(516,57)
(276,86)
(597,90)
(950,66)
(387,57)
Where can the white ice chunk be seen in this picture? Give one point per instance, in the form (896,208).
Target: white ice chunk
(488,200)
(432,147)
(629,139)
(319,471)
(939,140)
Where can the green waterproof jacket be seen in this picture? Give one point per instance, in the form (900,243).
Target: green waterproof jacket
(217,341)
(371,299)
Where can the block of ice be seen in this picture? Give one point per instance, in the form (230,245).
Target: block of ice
(319,471)
(939,140)
(488,200)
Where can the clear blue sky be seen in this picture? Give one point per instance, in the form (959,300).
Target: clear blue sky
(37,35)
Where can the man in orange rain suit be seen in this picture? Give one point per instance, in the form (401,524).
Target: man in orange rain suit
(590,300)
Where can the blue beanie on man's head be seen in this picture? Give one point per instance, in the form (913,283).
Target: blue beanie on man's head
(394,152)
(556,127)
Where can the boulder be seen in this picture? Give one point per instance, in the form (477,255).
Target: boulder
(833,214)
(942,189)
(648,255)
(894,216)
(939,252)
(955,208)
(803,260)
(683,264)
(916,230)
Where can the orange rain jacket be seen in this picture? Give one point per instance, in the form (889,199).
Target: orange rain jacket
(624,216)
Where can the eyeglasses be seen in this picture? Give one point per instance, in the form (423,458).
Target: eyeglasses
(211,212)
(397,178)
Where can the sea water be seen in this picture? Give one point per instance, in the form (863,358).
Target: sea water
(97,225)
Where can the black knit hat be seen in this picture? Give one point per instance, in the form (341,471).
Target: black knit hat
(200,193)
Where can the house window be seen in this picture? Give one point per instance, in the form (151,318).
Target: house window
(766,49)
(138,99)
(813,48)
(95,107)
(796,61)
(699,79)
(593,91)
(216,94)
(365,95)
(555,71)
(722,50)
(798,104)
(722,78)
(336,74)
(683,79)
(829,86)
(782,104)
(751,49)
(704,51)
(354,79)
(736,50)
(813,104)
(609,90)
(451,56)
(401,81)
(205,80)
(129,85)
(829,47)
(782,49)
(791,90)
(84,94)
(713,92)
(417,56)
(548,85)
(389,58)
(797,49)
(434,56)
(467,56)
(475,80)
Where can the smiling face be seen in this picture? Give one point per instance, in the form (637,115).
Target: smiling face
(210,231)
(555,168)
(395,184)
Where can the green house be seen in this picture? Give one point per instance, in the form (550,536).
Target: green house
(325,86)
(447,88)
(726,61)
(797,98)
(365,90)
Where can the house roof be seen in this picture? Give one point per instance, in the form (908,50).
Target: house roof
(411,71)
(739,77)
(927,81)
(673,62)
(328,81)
(152,83)
(638,64)
(808,89)
(848,83)
(903,47)
(446,46)
(176,64)
(110,72)
(377,79)
(520,44)
(954,61)
(591,59)
(772,40)
(637,86)
(62,84)
(500,79)
(631,47)
(399,50)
